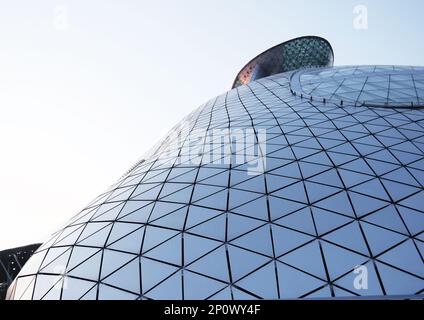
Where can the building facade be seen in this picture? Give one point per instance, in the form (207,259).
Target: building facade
(303,181)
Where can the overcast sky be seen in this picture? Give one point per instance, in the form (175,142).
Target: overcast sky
(87,86)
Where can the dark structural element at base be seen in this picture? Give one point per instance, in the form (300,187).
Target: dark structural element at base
(303,181)
(11,262)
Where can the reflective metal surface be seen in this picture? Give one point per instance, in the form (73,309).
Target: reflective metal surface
(291,55)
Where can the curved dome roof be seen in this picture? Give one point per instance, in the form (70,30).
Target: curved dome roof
(259,193)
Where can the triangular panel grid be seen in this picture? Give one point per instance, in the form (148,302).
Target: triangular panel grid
(326,194)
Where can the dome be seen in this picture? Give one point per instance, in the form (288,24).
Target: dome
(301,184)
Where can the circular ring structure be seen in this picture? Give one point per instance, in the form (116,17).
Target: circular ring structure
(308,51)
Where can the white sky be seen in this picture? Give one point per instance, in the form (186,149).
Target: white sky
(87,86)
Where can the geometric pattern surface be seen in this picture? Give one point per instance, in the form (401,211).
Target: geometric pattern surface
(384,86)
(303,52)
(338,186)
